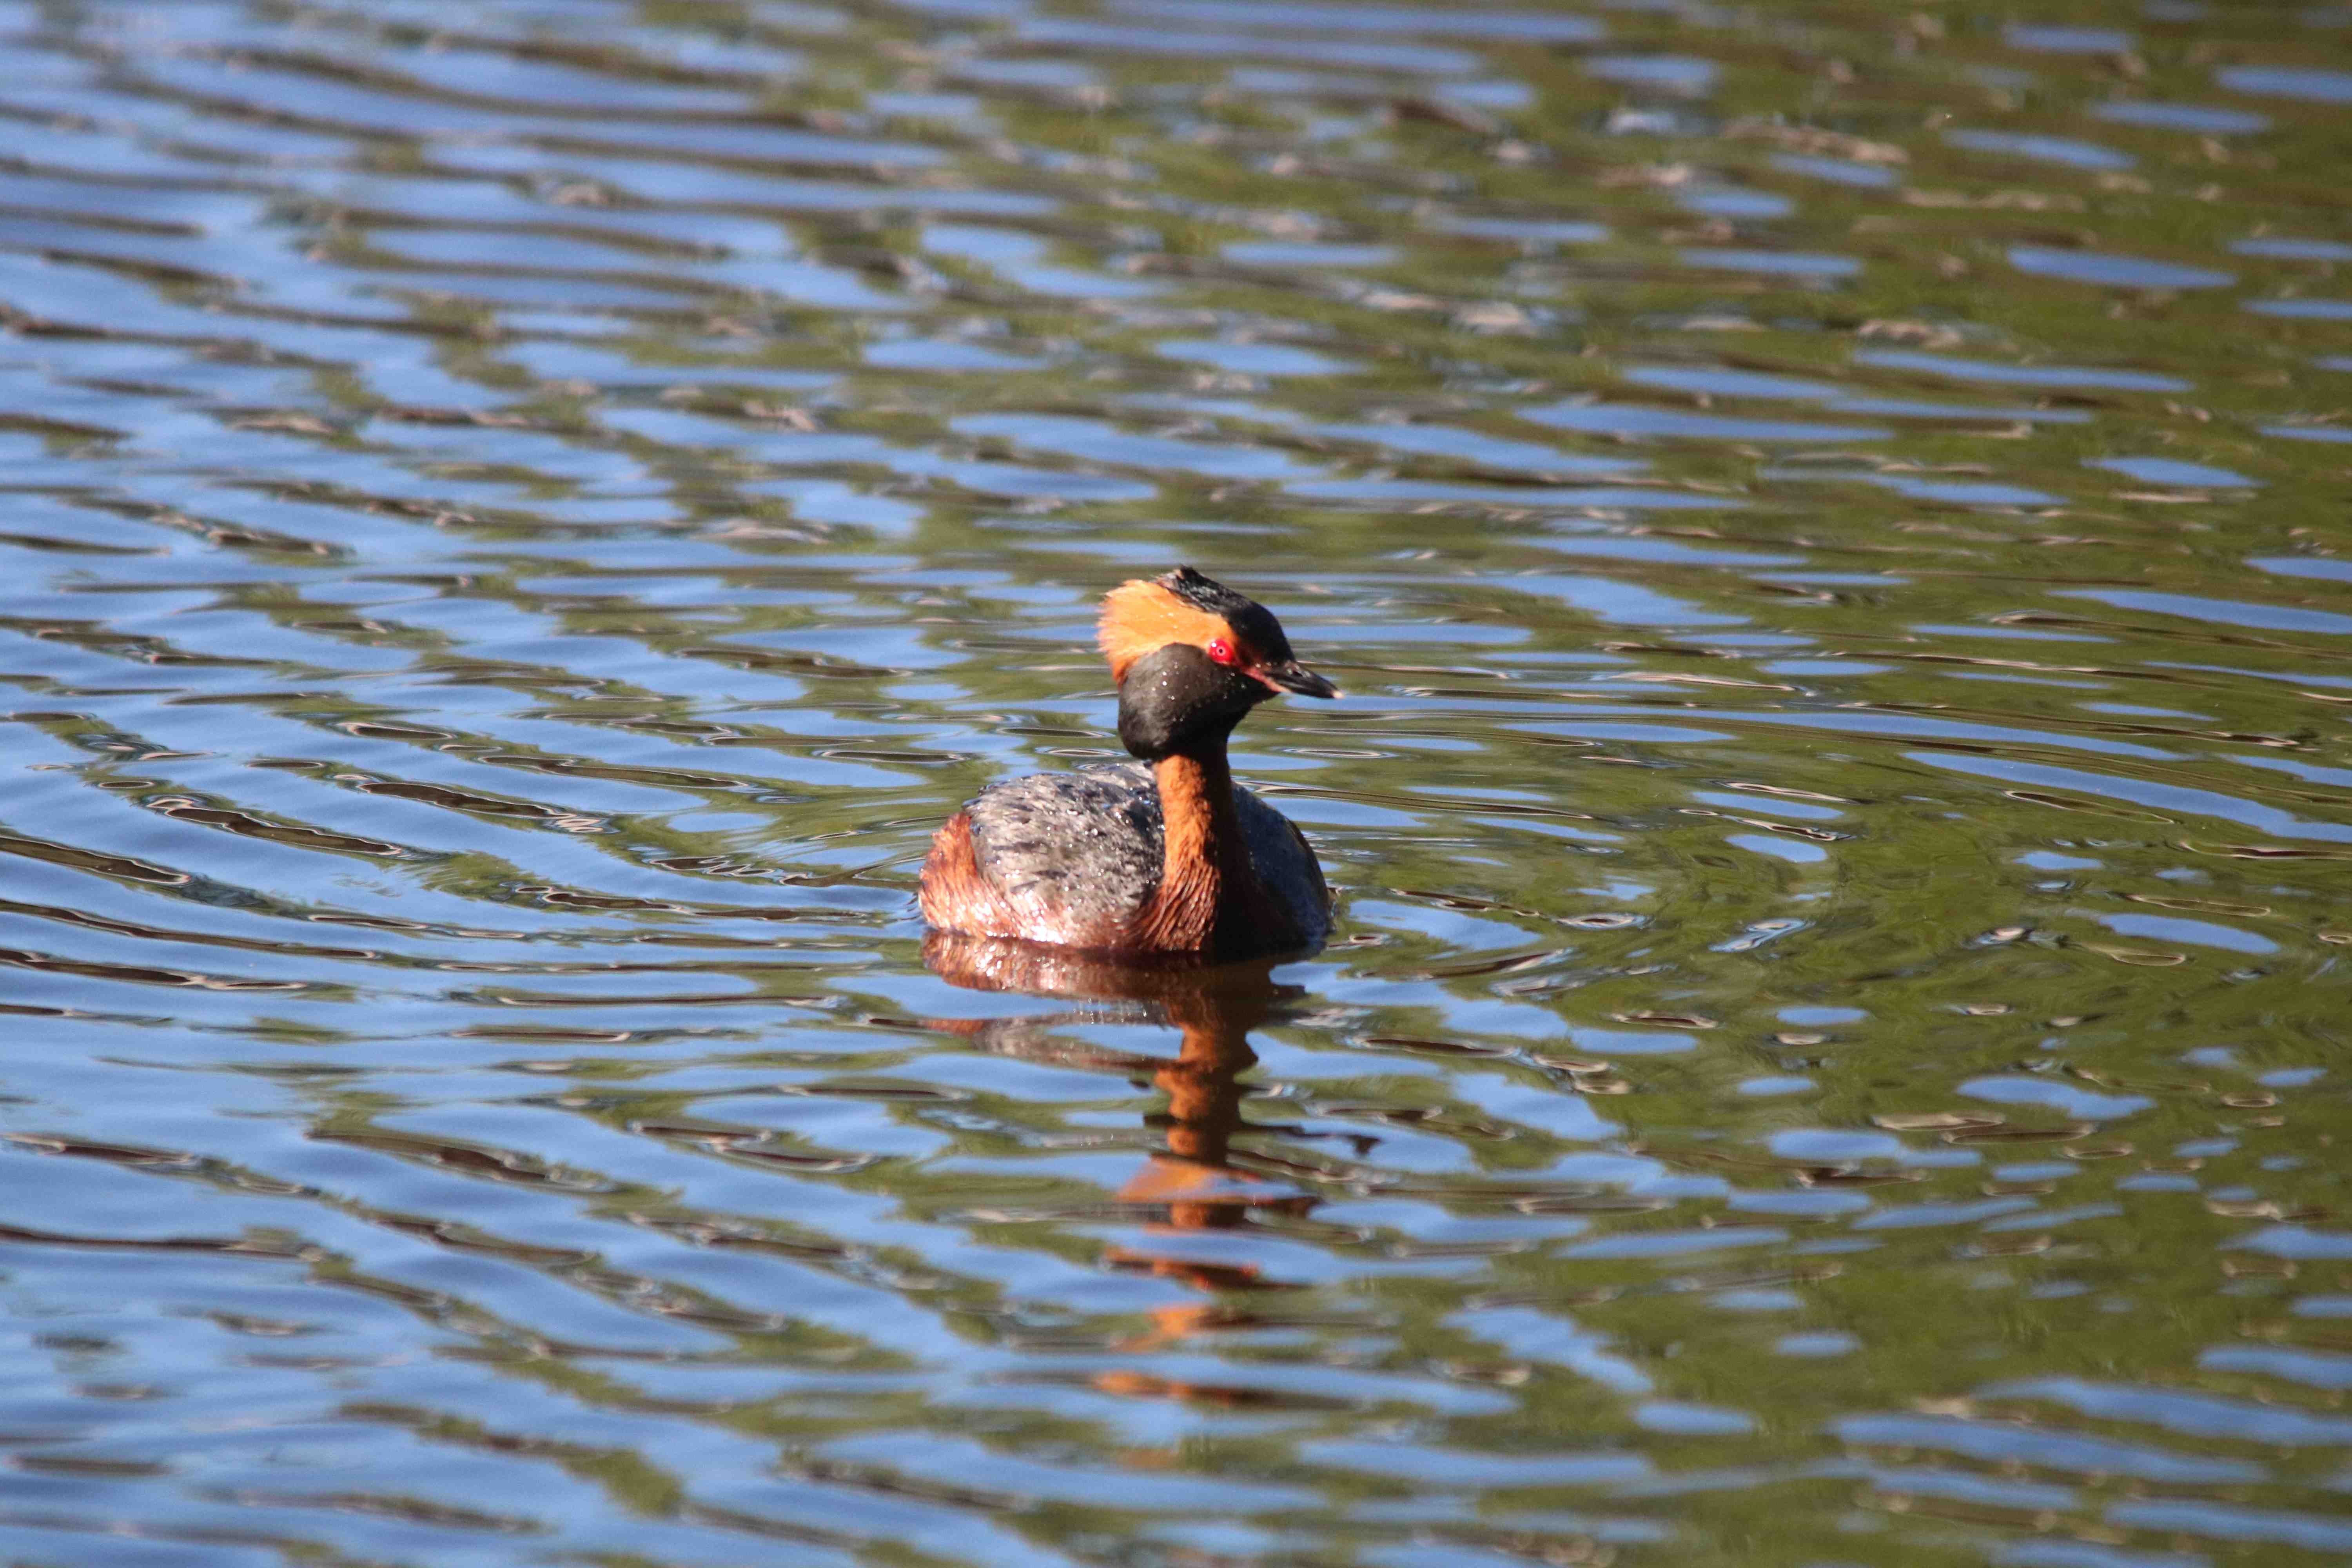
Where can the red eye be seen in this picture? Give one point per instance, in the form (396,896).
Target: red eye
(1221,651)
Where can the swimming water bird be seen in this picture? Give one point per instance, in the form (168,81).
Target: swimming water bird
(1166,855)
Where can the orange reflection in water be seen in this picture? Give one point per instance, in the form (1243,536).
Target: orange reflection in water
(1190,1181)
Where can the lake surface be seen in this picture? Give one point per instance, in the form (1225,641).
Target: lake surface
(520,518)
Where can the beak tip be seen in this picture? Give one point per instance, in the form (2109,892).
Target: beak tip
(1299,681)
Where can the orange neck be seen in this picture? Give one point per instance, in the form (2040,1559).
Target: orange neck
(1196,800)
(1204,872)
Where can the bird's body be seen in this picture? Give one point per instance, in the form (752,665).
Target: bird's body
(1162,856)
(1076,859)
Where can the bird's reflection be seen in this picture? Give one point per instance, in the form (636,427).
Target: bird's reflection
(1189,1183)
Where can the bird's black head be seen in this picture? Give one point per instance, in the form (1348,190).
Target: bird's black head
(1232,630)
(1177,699)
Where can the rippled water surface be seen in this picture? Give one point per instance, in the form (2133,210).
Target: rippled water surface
(518,520)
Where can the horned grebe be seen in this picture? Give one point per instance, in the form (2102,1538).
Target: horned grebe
(1162,856)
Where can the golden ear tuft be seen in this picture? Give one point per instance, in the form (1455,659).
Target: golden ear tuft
(1141,616)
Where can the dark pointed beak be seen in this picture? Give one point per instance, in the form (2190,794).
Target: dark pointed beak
(1292,676)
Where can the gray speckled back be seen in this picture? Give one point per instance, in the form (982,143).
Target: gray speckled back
(1077,853)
